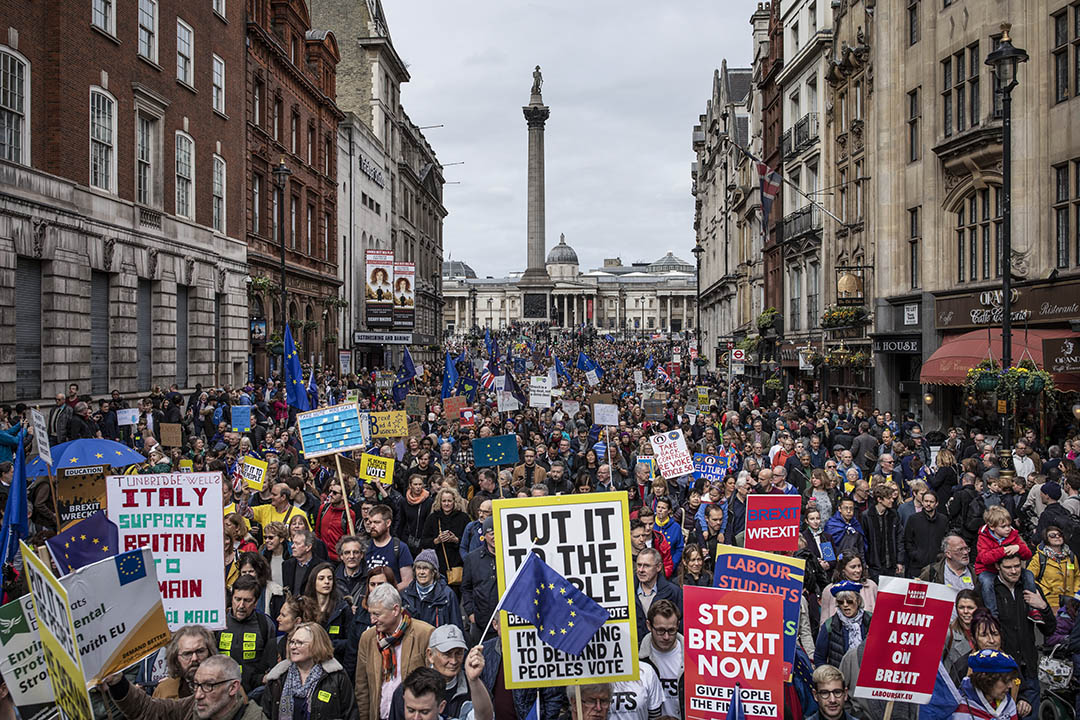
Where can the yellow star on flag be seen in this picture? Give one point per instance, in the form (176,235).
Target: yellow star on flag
(82,537)
(563,631)
(104,548)
(99,456)
(569,601)
(551,586)
(95,541)
(73,460)
(562,591)
(119,453)
(551,631)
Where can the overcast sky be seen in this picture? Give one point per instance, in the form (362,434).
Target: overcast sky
(625,81)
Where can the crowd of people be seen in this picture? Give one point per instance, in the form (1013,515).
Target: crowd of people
(374,601)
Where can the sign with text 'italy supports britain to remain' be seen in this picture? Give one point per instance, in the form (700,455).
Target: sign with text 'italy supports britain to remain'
(586,539)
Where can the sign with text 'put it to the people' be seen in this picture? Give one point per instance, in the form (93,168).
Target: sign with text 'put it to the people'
(585,539)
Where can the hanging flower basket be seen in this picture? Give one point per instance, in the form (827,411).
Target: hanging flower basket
(774,384)
(984,377)
(1026,379)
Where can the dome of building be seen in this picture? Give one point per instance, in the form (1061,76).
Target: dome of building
(562,253)
(670,263)
(455,269)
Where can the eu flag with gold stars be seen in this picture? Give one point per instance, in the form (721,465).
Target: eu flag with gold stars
(91,539)
(564,617)
(130,566)
(295,388)
(499,450)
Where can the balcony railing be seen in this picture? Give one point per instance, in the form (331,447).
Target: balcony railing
(804,134)
(802,222)
(785,144)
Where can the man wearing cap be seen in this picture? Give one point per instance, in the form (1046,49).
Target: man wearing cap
(428,597)
(446,652)
(479,587)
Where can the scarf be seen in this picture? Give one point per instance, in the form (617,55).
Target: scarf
(387,644)
(1057,555)
(853,626)
(424,590)
(293,688)
(417,500)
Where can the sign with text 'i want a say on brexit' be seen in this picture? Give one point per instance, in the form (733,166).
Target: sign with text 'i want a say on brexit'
(772,522)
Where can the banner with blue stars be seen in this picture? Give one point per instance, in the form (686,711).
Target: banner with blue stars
(331,430)
(499,450)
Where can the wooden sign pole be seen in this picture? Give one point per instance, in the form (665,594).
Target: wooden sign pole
(344,493)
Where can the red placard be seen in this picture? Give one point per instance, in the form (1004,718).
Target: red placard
(907,635)
(772,522)
(468,418)
(733,636)
(453,406)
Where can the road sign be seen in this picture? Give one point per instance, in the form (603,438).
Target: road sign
(738,355)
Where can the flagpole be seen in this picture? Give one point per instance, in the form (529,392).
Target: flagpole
(344,494)
(791,185)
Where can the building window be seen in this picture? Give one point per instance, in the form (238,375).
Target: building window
(310,229)
(219,7)
(947,96)
(256,102)
(1062,211)
(145,139)
(914,235)
(294,133)
(277,119)
(858,191)
(219,85)
(978,235)
(843,196)
(995,43)
(857,93)
(148,29)
(292,222)
(103,16)
(960,90)
(185,51)
(326,236)
(913,21)
(102,140)
(813,293)
(256,203)
(326,157)
(310,144)
(275,209)
(914,113)
(185,175)
(974,64)
(1061,55)
(219,194)
(795,315)
(14,108)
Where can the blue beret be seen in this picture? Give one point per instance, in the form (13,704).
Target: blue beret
(846,586)
(991,661)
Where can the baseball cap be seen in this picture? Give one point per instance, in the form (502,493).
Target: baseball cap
(446,638)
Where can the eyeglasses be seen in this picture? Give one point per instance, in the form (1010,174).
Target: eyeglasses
(199,653)
(596,702)
(830,693)
(298,643)
(665,631)
(208,687)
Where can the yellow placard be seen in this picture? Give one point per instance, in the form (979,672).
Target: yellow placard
(374,468)
(389,424)
(253,471)
(187,466)
(57,631)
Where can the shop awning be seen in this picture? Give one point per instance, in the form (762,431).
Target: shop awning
(950,362)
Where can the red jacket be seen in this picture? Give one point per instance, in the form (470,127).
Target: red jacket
(328,528)
(661,544)
(990,551)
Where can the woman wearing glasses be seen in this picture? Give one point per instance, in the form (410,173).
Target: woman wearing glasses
(1054,566)
(845,629)
(310,683)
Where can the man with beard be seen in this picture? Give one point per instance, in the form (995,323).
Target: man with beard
(190,646)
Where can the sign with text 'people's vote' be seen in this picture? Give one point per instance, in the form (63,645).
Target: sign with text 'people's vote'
(178,517)
(772,522)
(733,637)
(330,430)
(586,539)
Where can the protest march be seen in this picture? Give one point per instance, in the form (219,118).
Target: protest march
(538,527)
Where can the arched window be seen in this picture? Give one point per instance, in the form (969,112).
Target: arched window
(978,235)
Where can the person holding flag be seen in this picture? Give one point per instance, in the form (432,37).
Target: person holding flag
(295,390)
(405,375)
(16,525)
(450,376)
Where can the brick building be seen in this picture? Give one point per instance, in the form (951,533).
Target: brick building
(122,263)
(292,117)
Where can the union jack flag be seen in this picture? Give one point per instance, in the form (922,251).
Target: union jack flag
(770,186)
(662,374)
(487,378)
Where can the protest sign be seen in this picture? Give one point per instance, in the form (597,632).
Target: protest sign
(452,407)
(344,363)
(253,471)
(415,404)
(571,407)
(540,391)
(468,417)
(22,662)
(906,638)
(414,430)
(58,639)
(375,468)
(639,378)
(703,399)
(41,436)
(186,465)
(733,636)
(171,435)
(127,416)
(654,409)
(330,430)
(241,418)
(394,423)
(599,398)
(754,571)
(591,377)
(671,454)
(178,517)
(347,466)
(111,634)
(80,492)
(710,467)
(606,415)
(507,402)
(587,541)
(772,522)
(384,381)
(352,397)
(420,369)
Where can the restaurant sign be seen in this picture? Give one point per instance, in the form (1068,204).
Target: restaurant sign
(898,345)
(1062,355)
(1034,304)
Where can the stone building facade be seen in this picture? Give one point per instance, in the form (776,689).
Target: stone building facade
(122,260)
(768,62)
(292,119)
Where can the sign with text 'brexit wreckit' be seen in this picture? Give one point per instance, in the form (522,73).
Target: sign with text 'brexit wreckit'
(754,571)
(587,541)
(772,522)
(80,492)
(330,430)
(57,631)
(178,517)
(733,637)
(907,635)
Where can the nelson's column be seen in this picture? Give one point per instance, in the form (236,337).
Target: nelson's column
(535,283)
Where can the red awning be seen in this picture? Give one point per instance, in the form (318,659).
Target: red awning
(950,362)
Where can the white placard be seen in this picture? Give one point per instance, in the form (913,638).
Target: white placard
(540,391)
(606,415)
(571,407)
(507,402)
(671,454)
(41,436)
(592,377)
(127,416)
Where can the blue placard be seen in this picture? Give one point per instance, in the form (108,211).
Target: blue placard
(710,467)
(331,430)
(241,418)
(827,552)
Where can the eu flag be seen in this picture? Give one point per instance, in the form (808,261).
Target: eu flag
(295,389)
(450,376)
(405,374)
(649,364)
(736,711)
(561,370)
(91,539)
(500,450)
(16,513)
(565,618)
(130,567)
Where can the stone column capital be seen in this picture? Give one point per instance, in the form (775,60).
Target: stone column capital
(536,115)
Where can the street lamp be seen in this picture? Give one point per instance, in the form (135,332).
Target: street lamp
(698,252)
(1005,60)
(472,302)
(281,175)
(642,317)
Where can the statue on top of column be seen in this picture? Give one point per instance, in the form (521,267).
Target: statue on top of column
(538,81)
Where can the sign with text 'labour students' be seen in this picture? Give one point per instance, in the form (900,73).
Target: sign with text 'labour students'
(733,637)
(772,522)
(671,454)
(586,539)
(907,635)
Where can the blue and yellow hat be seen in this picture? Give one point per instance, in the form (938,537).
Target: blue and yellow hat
(991,661)
(846,586)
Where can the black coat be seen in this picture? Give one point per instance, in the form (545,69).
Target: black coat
(665,590)
(455,522)
(885,546)
(922,539)
(1056,514)
(1017,632)
(294,575)
(80,428)
(479,586)
(332,699)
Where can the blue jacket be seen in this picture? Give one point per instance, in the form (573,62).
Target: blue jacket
(836,528)
(472,538)
(9,443)
(673,532)
(440,607)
